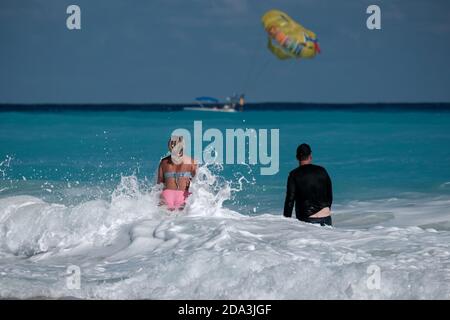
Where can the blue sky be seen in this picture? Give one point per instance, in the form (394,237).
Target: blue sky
(146,51)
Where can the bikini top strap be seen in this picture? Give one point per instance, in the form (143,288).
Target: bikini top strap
(182,174)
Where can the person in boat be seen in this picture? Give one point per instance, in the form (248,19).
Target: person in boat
(241,102)
(309,187)
(176,172)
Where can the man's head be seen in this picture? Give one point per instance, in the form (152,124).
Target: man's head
(304,154)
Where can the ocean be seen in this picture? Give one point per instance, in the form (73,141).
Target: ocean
(77,192)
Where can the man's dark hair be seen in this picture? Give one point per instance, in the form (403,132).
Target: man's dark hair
(303,152)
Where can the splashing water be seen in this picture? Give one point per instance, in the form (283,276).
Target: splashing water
(4,165)
(129,247)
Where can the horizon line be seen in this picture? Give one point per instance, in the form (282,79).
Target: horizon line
(255,107)
(220,103)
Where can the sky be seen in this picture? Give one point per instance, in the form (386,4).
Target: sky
(171,51)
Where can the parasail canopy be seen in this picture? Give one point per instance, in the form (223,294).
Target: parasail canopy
(287,38)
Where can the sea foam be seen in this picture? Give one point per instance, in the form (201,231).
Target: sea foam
(128,247)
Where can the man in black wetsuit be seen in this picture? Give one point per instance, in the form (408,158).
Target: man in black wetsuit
(309,187)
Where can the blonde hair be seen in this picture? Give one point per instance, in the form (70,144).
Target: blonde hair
(176,151)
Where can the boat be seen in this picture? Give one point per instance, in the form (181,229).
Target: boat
(213,105)
(214,109)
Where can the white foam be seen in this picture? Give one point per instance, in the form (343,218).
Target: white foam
(424,211)
(127,247)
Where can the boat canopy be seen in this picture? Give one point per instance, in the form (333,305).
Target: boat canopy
(207,99)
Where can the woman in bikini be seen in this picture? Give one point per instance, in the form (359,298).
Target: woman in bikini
(175,172)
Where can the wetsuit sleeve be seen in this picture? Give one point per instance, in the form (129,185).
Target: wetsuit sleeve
(290,197)
(329,190)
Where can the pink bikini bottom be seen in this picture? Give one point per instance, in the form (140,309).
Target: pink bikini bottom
(174,199)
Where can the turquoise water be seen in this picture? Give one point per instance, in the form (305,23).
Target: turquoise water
(369,155)
(77,189)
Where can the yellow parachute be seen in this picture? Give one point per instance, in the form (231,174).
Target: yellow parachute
(287,38)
